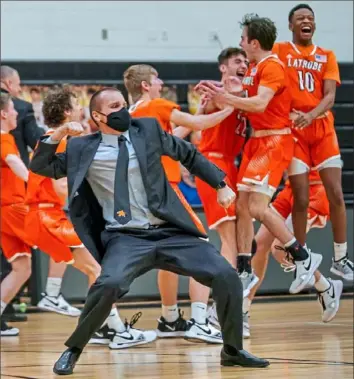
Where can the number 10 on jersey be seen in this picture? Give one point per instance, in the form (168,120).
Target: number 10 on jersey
(306,81)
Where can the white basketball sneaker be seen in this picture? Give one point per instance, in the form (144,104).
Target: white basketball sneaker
(304,271)
(330,300)
(132,337)
(203,332)
(58,305)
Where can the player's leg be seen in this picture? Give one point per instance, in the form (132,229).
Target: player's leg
(300,188)
(277,152)
(52,294)
(327,160)
(298,172)
(199,328)
(171,323)
(18,255)
(332,179)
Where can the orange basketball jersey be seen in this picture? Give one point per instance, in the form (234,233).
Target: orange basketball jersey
(307,68)
(13,188)
(40,189)
(227,138)
(270,73)
(161,109)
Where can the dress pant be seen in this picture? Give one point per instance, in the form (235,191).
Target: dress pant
(131,253)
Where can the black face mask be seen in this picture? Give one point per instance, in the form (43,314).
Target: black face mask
(119,121)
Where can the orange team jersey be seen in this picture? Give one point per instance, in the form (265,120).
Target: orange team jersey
(269,72)
(307,68)
(161,109)
(13,189)
(40,189)
(227,138)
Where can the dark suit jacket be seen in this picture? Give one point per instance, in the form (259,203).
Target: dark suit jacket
(150,143)
(27,132)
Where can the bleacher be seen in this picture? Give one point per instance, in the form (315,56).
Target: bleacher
(182,74)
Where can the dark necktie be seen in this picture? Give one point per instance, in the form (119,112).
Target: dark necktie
(121,193)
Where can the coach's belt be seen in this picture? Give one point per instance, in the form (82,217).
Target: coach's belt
(270,132)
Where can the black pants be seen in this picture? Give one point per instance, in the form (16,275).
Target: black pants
(133,253)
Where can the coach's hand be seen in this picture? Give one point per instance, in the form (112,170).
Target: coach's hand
(69,129)
(226,196)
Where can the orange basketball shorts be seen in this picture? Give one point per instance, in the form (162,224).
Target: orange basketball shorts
(216,214)
(14,240)
(264,161)
(316,147)
(52,232)
(318,210)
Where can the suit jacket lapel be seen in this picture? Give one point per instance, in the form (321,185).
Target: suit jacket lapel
(86,157)
(139,143)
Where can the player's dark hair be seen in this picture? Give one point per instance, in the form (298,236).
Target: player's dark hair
(55,103)
(261,29)
(297,7)
(229,52)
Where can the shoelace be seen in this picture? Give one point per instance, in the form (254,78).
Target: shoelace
(133,320)
(288,265)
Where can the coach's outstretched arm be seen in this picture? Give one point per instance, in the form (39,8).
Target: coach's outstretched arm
(45,161)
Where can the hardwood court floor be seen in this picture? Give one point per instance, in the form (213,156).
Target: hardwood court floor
(290,334)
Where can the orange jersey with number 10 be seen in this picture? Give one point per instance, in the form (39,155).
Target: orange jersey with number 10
(307,68)
(270,73)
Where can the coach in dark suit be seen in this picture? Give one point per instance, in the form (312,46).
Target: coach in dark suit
(27,132)
(131,220)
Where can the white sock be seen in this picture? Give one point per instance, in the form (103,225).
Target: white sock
(340,250)
(115,322)
(53,287)
(291,242)
(199,312)
(322,284)
(170,312)
(3,306)
(246,305)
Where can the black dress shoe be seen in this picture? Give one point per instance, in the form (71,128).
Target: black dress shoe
(66,363)
(242,358)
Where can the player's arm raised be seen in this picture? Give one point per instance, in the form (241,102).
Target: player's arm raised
(200,122)
(203,107)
